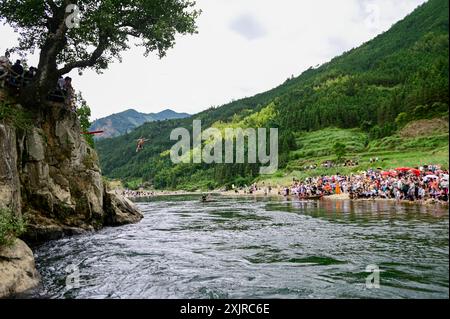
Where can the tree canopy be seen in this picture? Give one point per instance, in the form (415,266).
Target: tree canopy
(105,29)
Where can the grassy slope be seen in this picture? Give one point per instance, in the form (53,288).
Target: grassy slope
(427,146)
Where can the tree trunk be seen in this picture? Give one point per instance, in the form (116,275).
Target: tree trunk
(47,75)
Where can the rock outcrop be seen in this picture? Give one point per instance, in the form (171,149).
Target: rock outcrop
(51,176)
(9,176)
(17,271)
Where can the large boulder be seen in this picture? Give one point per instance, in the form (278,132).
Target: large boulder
(120,211)
(17,270)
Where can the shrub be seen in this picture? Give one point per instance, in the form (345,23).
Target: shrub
(15,115)
(11,226)
(339,150)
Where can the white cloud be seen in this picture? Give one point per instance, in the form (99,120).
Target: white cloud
(243,47)
(247,26)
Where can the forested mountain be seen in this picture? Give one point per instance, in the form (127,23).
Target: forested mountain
(377,88)
(126,121)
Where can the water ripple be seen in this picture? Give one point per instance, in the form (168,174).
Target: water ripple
(256,248)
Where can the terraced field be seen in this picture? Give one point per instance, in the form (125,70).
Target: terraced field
(417,144)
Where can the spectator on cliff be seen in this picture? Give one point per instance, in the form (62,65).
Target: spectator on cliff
(17,68)
(68,84)
(29,75)
(61,83)
(16,74)
(5,65)
(69,91)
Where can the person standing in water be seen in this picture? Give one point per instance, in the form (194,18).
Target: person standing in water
(140,144)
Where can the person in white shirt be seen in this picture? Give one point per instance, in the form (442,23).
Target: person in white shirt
(61,83)
(5,65)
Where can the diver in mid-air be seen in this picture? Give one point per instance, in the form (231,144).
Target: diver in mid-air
(140,144)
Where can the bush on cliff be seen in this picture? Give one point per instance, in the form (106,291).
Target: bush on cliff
(15,115)
(11,226)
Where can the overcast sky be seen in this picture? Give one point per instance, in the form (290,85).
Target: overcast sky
(243,47)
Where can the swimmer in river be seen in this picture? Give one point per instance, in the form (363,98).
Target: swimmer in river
(205,198)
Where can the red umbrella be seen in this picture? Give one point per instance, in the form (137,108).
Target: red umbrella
(403,169)
(415,172)
(393,172)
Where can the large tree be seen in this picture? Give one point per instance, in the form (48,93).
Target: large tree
(105,29)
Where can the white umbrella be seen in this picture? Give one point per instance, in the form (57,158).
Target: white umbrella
(431,176)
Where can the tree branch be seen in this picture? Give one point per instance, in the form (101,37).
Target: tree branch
(53,6)
(98,52)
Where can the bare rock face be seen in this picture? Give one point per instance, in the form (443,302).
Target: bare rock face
(62,188)
(119,210)
(17,270)
(9,176)
(51,177)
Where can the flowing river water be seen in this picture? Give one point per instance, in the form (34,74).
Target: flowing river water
(255,248)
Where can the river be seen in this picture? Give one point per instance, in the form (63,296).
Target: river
(255,248)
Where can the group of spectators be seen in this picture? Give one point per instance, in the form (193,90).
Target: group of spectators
(135,193)
(412,184)
(16,76)
(330,164)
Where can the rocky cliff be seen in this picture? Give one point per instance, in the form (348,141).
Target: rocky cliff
(17,270)
(50,176)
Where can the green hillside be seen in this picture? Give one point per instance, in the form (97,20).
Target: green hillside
(362,99)
(404,148)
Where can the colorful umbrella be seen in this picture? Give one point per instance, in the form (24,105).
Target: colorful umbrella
(403,169)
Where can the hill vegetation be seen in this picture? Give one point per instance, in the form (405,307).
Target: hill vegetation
(364,100)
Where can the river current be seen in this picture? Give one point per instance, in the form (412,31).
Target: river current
(256,248)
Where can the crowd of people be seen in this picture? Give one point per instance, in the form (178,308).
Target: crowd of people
(425,183)
(135,193)
(331,164)
(412,184)
(16,76)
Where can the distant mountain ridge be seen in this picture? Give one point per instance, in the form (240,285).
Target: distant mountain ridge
(120,123)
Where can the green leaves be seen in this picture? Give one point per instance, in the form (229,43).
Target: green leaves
(84,113)
(11,227)
(339,150)
(105,30)
(15,115)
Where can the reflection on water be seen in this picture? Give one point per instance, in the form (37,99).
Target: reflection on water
(257,248)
